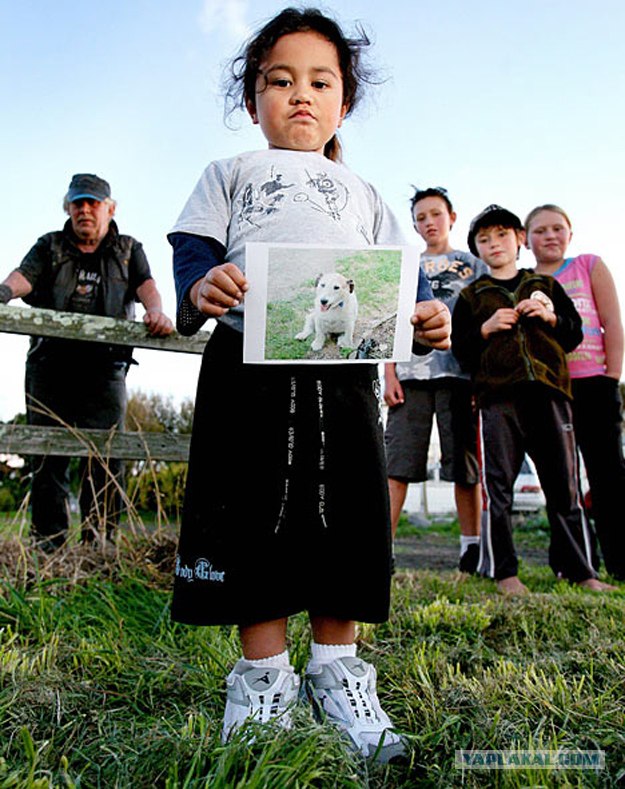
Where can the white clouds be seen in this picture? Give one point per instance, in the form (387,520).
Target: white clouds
(227,15)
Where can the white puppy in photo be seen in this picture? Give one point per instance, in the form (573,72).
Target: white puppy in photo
(335,312)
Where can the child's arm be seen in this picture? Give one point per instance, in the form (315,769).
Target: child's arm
(206,286)
(567,328)
(502,319)
(194,256)
(606,299)
(536,308)
(424,294)
(469,338)
(393,391)
(223,287)
(432,322)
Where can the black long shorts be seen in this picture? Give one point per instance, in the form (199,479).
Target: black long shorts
(286,506)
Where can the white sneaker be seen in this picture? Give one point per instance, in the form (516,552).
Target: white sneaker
(343,693)
(259,694)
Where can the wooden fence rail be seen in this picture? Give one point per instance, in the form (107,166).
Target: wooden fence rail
(94,328)
(82,442)
(31,440)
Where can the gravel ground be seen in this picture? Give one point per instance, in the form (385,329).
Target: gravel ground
(439,551)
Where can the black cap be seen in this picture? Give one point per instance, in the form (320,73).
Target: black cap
(88,185)
(492,216)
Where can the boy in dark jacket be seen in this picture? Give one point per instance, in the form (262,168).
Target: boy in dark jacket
(511,330)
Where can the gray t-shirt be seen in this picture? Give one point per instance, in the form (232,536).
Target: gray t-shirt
(278,196)
(448,274)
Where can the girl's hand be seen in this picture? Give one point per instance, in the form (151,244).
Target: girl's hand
(606,299)
(432,322)
(537,308)
(222,288)
(501,320)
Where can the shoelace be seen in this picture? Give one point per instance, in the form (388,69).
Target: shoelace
(265,708)
(359,701)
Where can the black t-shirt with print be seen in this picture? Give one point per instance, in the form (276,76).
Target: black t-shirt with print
(87,297)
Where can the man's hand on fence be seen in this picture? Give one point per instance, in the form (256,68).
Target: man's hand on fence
(158,323)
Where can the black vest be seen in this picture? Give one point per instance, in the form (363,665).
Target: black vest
(55,287)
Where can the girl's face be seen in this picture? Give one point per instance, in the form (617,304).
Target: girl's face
(299,93)
(433,221)
(548,237)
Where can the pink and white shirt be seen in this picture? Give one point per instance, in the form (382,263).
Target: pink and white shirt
(574,275)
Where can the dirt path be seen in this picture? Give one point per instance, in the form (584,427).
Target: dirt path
(432,551)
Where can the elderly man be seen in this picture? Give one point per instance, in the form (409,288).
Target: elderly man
(87,267)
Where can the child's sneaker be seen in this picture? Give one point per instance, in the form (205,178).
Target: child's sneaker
(259,694)
(343,692)
(470,559)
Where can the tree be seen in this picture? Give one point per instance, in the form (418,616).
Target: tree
(154,413)
(157,486)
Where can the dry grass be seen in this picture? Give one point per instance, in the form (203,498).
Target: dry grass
(22,564)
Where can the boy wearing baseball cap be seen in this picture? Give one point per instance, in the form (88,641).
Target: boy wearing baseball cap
(511,330)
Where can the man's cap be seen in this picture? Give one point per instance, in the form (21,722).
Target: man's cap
(85,185)
(492,216)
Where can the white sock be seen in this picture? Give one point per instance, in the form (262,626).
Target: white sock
(465,541)
(273,661)
(326,653)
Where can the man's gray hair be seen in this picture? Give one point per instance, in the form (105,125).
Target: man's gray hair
(107,200)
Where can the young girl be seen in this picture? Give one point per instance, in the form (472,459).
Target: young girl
(595,367)
(286,506)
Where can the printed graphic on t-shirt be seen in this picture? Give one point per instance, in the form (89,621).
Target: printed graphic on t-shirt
(325,194)
(447,276)
(261,201)
(322,192)
(85,296)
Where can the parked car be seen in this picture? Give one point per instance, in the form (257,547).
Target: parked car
(528,496)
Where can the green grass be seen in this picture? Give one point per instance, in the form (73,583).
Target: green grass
(377,276)
(98,688)
(407,529)
(284,321)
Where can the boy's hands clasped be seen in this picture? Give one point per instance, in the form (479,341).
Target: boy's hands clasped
(538,308)
(222,288)
(506,317)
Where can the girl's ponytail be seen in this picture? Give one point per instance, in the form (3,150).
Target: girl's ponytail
(333,149)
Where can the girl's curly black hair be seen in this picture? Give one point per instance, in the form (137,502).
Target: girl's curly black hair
(240,86)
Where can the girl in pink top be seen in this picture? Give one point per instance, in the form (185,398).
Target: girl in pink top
(595,367)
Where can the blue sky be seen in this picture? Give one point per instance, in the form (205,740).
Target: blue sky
(517,103)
